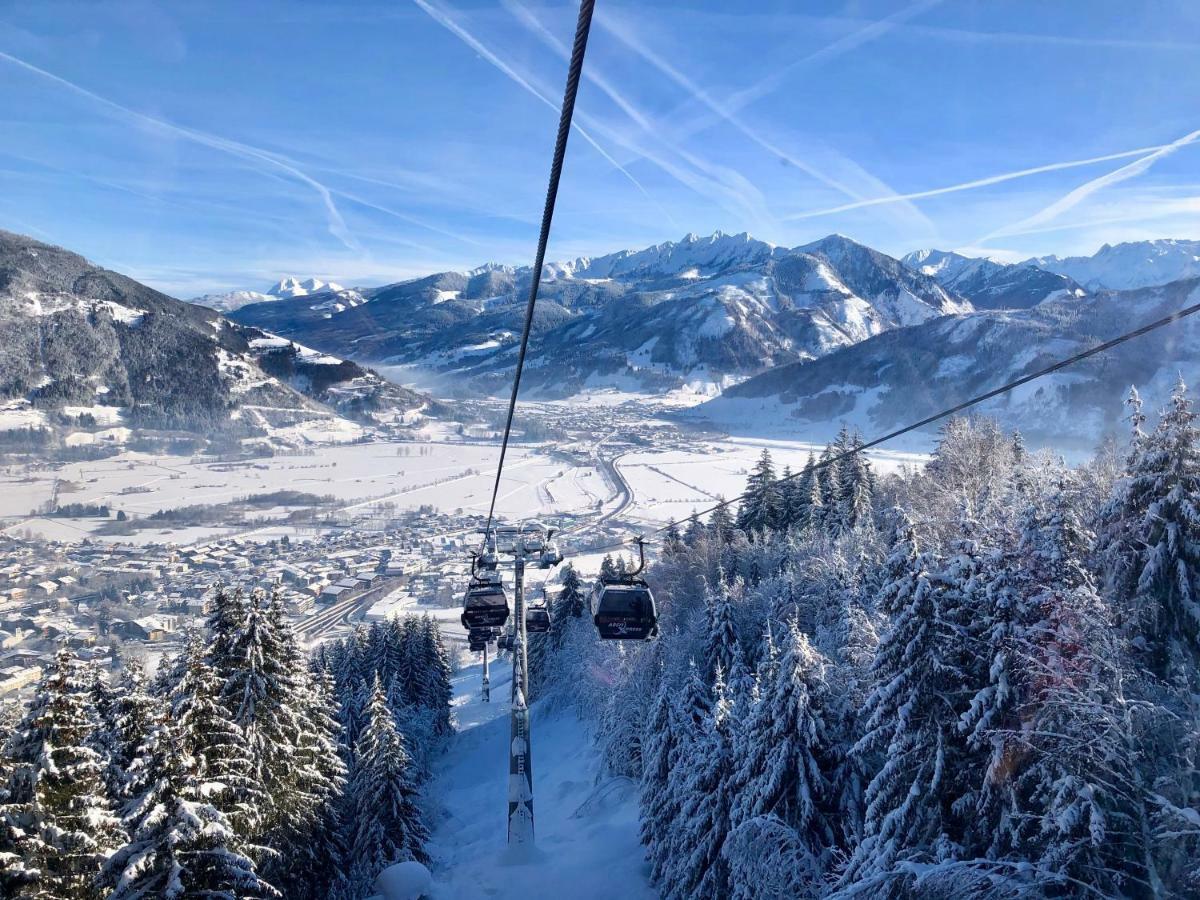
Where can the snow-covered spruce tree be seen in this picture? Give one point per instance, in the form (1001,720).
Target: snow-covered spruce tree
(658,746)
(1022,589)
(720,523)
(228,615)
(57,813)
(672,539)
(315,778)
(694,531)
(1116,548)
(722,650)
(259,688)
(783,768)
(387,825)
(806,496)
(1165,613)
(857,487)
(1150,545)
(700,870)
(102,697)
(180,845)
(208,734)
(767,861)
(828,515)
(14,869)
(435,689)
(690,710)
(394,662)
(132,710)
(622,718)
(313,856)
(1082,819)
(788,501)
(571,601)
(911,732)
(761,508)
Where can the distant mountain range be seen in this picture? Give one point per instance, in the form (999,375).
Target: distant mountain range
(705,311)
(817,333)
(796,337)
(92,356)
(990,284)
(710,310)
(1134,265)
(285,289)
(908,374)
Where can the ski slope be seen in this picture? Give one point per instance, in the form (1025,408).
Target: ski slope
(587,833)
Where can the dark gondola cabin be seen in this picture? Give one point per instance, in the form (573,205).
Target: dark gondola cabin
(486,606)
(625,611)
(478,639)
(537,620)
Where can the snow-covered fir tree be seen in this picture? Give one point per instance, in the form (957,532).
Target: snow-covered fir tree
(126,721)
(1164,612)
(761,505)
(911,716)
(208,734)
(59,818)
(387,825)
(180,845)
(699,869)
(723,652)
(720,523)
(784,767)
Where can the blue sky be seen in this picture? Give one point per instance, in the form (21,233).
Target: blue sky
(207,145)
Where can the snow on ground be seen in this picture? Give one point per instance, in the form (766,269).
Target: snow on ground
(449,476)
(587,834)
(16,419)
(668,485)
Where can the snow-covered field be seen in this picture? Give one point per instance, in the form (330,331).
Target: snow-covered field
(448,476)
(378,477)
(669,485)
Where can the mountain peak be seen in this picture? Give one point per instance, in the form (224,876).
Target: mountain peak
(295,287)
(1134,264)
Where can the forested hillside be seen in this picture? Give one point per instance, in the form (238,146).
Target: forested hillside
(243,769)
(972,680)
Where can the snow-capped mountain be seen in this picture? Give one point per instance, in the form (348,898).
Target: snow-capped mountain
(988,283)
(295,287)
(86,346)
(326,294)
(1132,265)
(711,309)
(231,300)
(906,374)
(692,257)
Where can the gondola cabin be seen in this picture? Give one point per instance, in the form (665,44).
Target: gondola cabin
(625,611)
(478,639)
(537,620)
(550,556)
(486,606)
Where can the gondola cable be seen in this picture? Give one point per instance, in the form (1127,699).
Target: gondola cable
(574,71)
(957,408)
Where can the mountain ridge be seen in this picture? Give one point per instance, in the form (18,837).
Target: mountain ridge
(907,374)
(703,309)
(89,346)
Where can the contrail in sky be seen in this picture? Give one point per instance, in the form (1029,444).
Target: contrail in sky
(337,225)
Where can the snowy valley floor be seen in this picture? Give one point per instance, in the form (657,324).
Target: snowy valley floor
(587,833)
